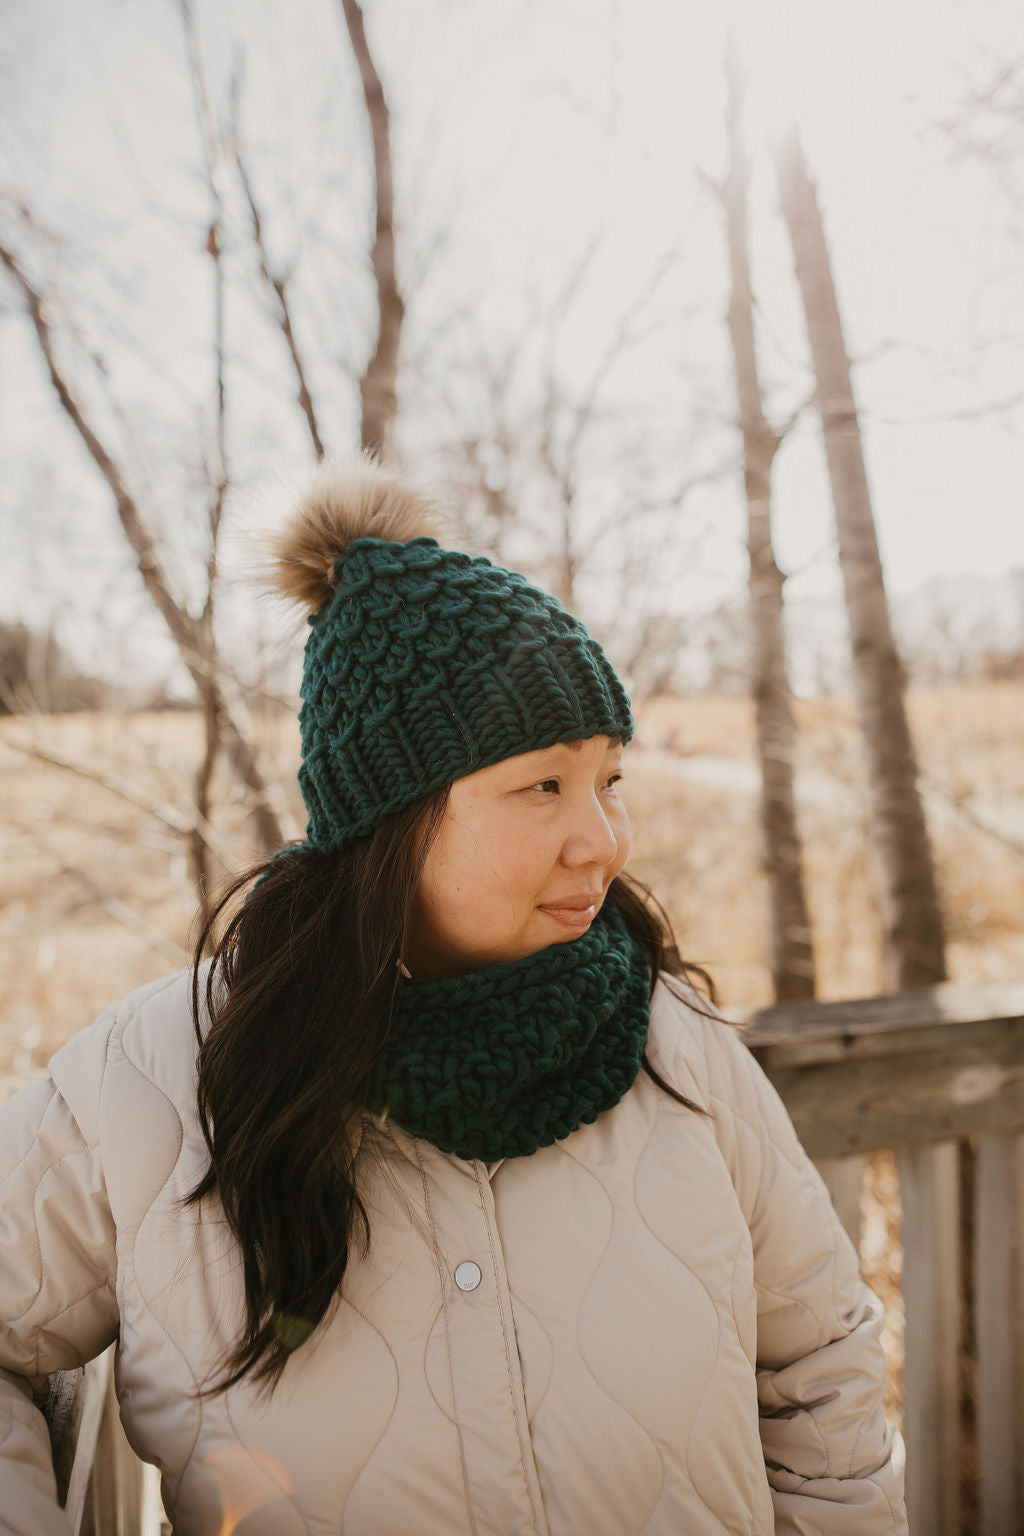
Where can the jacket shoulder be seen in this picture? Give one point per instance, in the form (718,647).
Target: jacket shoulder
(689,1043)
(149,1034)
(707,1059)
(129,1081)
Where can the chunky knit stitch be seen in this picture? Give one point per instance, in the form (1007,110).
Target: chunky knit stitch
(513,1057)
(428,664)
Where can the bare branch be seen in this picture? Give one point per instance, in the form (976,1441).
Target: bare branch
(150,568)
(186,824)
(277,284)
(554,319)
(624,336)
(674,498)
(968,413)
(782,431)
(211,705)
(714,187)
(117,909)
(273,815)
(962,808)
(985,95)
(214,247)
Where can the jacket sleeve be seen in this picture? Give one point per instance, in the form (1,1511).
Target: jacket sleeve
(57,1279)
(834,1463)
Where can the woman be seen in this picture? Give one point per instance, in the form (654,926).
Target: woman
(471,1216)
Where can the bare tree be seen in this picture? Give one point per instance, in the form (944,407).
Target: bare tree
(516,411)
(914,929)
(378,386)
(792,952)
(227,723)
(192,638)
(913,915)
(485,476)
(989,126)
(570,416)
(37,676)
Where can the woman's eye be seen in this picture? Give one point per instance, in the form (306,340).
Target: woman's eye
(553,786)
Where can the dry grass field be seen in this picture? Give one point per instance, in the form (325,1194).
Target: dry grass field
(95,900)
(697,845)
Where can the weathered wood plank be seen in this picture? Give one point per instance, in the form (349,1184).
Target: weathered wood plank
(92,1388)
(114,1505)
(843,1107)
(999,1323)
(62,1408)
(929,1189)
(99,1477)
(891,1023)
(840,1045)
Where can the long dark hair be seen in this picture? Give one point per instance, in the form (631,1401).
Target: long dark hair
(299,997)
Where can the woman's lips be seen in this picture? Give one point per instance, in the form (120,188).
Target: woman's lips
(575,915)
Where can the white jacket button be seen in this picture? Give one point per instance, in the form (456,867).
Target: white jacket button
(467,1275)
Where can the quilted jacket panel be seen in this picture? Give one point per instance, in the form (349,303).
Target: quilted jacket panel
(669,1333)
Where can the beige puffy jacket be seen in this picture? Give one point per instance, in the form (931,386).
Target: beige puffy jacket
(656,1325)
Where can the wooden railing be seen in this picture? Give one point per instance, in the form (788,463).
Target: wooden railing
(921,1073)
(918,1072)
(99,1478)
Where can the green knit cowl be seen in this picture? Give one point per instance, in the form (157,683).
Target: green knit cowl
(507,1059)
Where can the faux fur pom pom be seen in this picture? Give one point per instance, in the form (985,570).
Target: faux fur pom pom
(345,501)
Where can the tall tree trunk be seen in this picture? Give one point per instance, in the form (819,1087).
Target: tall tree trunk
(378,386)
(792,953)
(916,952)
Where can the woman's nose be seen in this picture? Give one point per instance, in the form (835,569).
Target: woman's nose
(592,839)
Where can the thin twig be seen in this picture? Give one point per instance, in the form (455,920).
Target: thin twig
(170,815)
(278,286)
(119,910)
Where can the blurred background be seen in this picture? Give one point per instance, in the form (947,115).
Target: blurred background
(709,319)
(540,254)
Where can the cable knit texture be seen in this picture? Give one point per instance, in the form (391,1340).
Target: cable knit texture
(516,1056)
(428,664)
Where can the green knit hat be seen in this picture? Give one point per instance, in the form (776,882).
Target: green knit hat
(422,664)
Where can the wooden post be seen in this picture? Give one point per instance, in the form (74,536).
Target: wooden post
(99,1477)
(999,1325)
(930,1197)
(90,1388)
(115,1488)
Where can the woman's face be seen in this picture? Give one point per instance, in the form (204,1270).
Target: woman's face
(523,859)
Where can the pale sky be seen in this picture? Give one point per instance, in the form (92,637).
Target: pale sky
(523,131)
